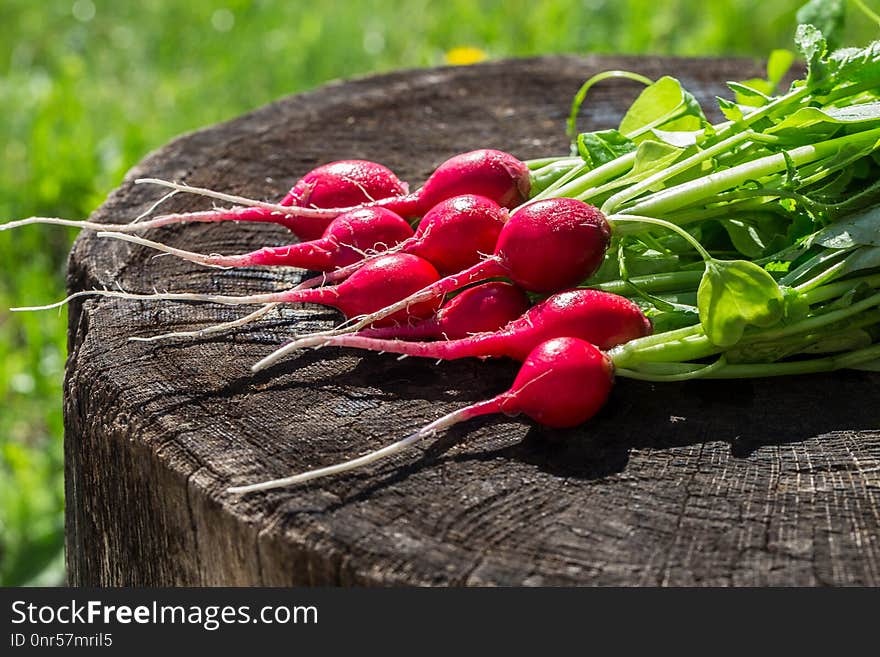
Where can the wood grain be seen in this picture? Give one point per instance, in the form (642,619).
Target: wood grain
(764,482)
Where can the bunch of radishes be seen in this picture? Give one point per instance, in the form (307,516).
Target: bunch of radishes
(396,286)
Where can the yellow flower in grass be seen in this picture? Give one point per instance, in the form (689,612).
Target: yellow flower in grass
(465,55)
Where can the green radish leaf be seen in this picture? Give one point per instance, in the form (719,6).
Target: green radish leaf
(734,294)
(778,266)
(756,92)
(855,65)
(653,156)
(753,235)
(828,17)
(750,94)
(665,104)
(812,46)
(678,138)
(860,229)
(730,110)
(597,148)
(810,124)
(865,257)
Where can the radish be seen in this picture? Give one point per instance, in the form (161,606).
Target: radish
(478,309)
(545,246)
(601,318)
(338,184)
(562,383)
(345,183)
(345,241)
(487,172)
(457,232)
(383,281)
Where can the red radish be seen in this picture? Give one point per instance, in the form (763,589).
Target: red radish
(545,246)
(346,184)
(345,241)
(340,184)
(562,383)
(383,281)
(388,278)
(478,309)
(601,318)
(458,232)
(487,172)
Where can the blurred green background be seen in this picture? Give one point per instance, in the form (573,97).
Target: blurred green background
(87,87)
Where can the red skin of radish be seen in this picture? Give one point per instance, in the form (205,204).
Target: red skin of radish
(456,233)
(562,383)
(601,318)
(554,244)
(342,244)
(382,281)
(480,309)
(487,172)
(341,184)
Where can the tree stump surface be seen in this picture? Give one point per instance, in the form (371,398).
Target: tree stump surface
(755,482)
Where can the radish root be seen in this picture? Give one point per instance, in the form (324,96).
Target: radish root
(462,414)
(217,328)
(281,210)
(162,296)
(198,258)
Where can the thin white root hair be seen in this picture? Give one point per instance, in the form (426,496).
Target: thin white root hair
(217,328)
(146,213)
(198,258)
(388,450)
(229,198)
(159,296)
(318,340)
(55,221)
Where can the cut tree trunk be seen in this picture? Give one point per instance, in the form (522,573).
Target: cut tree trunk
(758,482)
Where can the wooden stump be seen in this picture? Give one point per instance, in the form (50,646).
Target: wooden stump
(765,482)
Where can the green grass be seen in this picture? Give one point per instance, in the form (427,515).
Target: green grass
(87,87)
